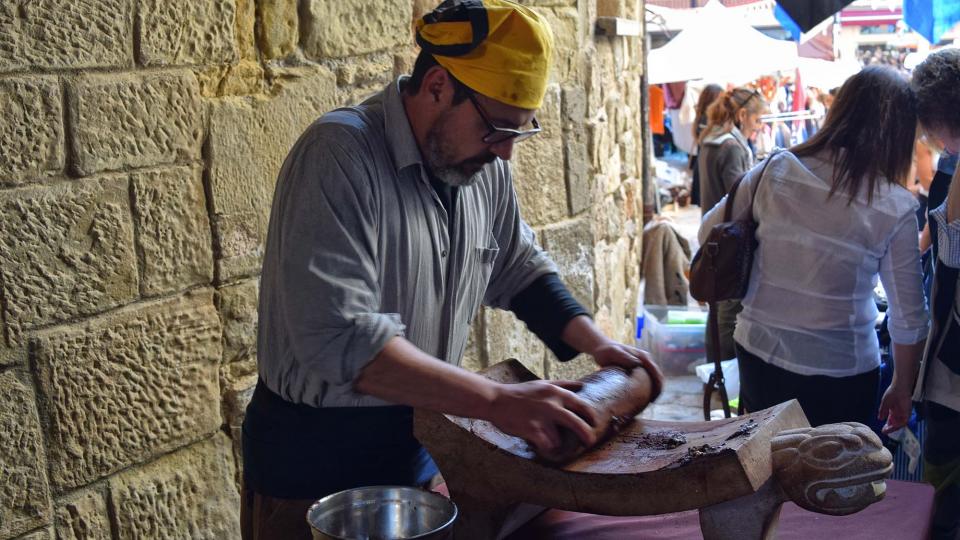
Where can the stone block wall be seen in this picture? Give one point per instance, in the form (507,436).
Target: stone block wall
(139,146)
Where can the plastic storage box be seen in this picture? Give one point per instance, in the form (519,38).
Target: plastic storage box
(674,336)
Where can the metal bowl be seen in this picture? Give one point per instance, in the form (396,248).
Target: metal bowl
(382,513)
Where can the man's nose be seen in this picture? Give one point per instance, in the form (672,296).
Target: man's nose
(503,149)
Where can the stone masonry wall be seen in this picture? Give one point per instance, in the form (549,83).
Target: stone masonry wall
(139,145)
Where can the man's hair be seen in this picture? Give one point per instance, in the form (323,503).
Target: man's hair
(424,62)
(937,84)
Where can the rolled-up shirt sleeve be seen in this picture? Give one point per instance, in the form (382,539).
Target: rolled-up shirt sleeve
(902,280)
(948,237)
(520,260)
(322,271)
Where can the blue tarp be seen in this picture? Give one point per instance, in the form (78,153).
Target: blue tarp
(931,18)
(787,22)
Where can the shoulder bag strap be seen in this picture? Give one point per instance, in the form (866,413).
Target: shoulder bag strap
(716,383)
(728,210)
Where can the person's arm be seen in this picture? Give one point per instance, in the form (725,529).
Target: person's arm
(908,320)
(582,334)
(925,238)
(741,204)
(926,168)
(520,260)
(947,217)
(896,404)
(953,199)
(732,163)
(546,306)
(521,263)
(551,312)
(534,411)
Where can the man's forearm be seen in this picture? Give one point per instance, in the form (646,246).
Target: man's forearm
(402,373)
(582,334)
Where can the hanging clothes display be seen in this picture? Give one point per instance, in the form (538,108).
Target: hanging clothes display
(657,106)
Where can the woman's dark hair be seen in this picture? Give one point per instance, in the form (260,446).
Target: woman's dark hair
(869,132)
(424,62)
(937,84)
(708,95)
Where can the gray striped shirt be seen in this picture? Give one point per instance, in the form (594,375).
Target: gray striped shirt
(360,250)
(948,237)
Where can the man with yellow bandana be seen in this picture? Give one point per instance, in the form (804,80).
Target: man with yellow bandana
(392,223)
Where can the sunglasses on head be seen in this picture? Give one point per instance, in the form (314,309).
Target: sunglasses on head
(755,93)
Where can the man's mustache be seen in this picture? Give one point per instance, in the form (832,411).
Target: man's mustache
(478,161)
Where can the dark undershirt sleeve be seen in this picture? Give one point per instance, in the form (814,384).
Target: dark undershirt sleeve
(546,306)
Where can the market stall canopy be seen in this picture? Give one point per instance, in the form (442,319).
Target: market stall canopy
(825,74)
(719,47)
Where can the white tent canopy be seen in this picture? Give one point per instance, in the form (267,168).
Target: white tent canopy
(720,47)
(825,74)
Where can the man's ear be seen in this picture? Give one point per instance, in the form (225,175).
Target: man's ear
(435,82)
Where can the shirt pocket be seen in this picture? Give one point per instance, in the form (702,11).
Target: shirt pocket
(484,259)
(487,255)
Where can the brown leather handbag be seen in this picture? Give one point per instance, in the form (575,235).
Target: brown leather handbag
(721,268)
(721,271)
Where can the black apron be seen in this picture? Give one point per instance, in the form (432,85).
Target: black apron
(296,451)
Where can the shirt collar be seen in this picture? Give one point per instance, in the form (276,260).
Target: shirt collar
(400,139)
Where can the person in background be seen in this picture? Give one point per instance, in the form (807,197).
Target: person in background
(725,154)
(832,217)
(816,109)
(923,172)
(708,95)
(937,84)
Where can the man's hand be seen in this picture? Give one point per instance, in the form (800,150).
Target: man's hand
(582,334)
(612,353)
(536,410)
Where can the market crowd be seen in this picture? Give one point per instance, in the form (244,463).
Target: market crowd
(867,197)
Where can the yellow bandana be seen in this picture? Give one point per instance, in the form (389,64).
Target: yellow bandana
(495,47)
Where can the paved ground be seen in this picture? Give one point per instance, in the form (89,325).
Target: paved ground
(682,398)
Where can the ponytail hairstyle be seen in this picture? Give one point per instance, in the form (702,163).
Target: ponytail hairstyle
(722,114)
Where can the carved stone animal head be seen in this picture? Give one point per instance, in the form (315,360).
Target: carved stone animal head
(835,469)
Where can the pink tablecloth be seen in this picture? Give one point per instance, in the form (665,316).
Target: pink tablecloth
(904,514)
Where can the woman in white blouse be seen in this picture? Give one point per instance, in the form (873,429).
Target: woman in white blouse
(832,217)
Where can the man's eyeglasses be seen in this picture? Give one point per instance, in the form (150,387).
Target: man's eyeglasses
(499,134)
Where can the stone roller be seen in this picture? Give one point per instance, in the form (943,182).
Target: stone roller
(737,471)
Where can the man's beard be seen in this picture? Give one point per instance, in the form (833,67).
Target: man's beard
(439,152)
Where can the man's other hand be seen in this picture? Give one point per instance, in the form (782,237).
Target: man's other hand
(612,353)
